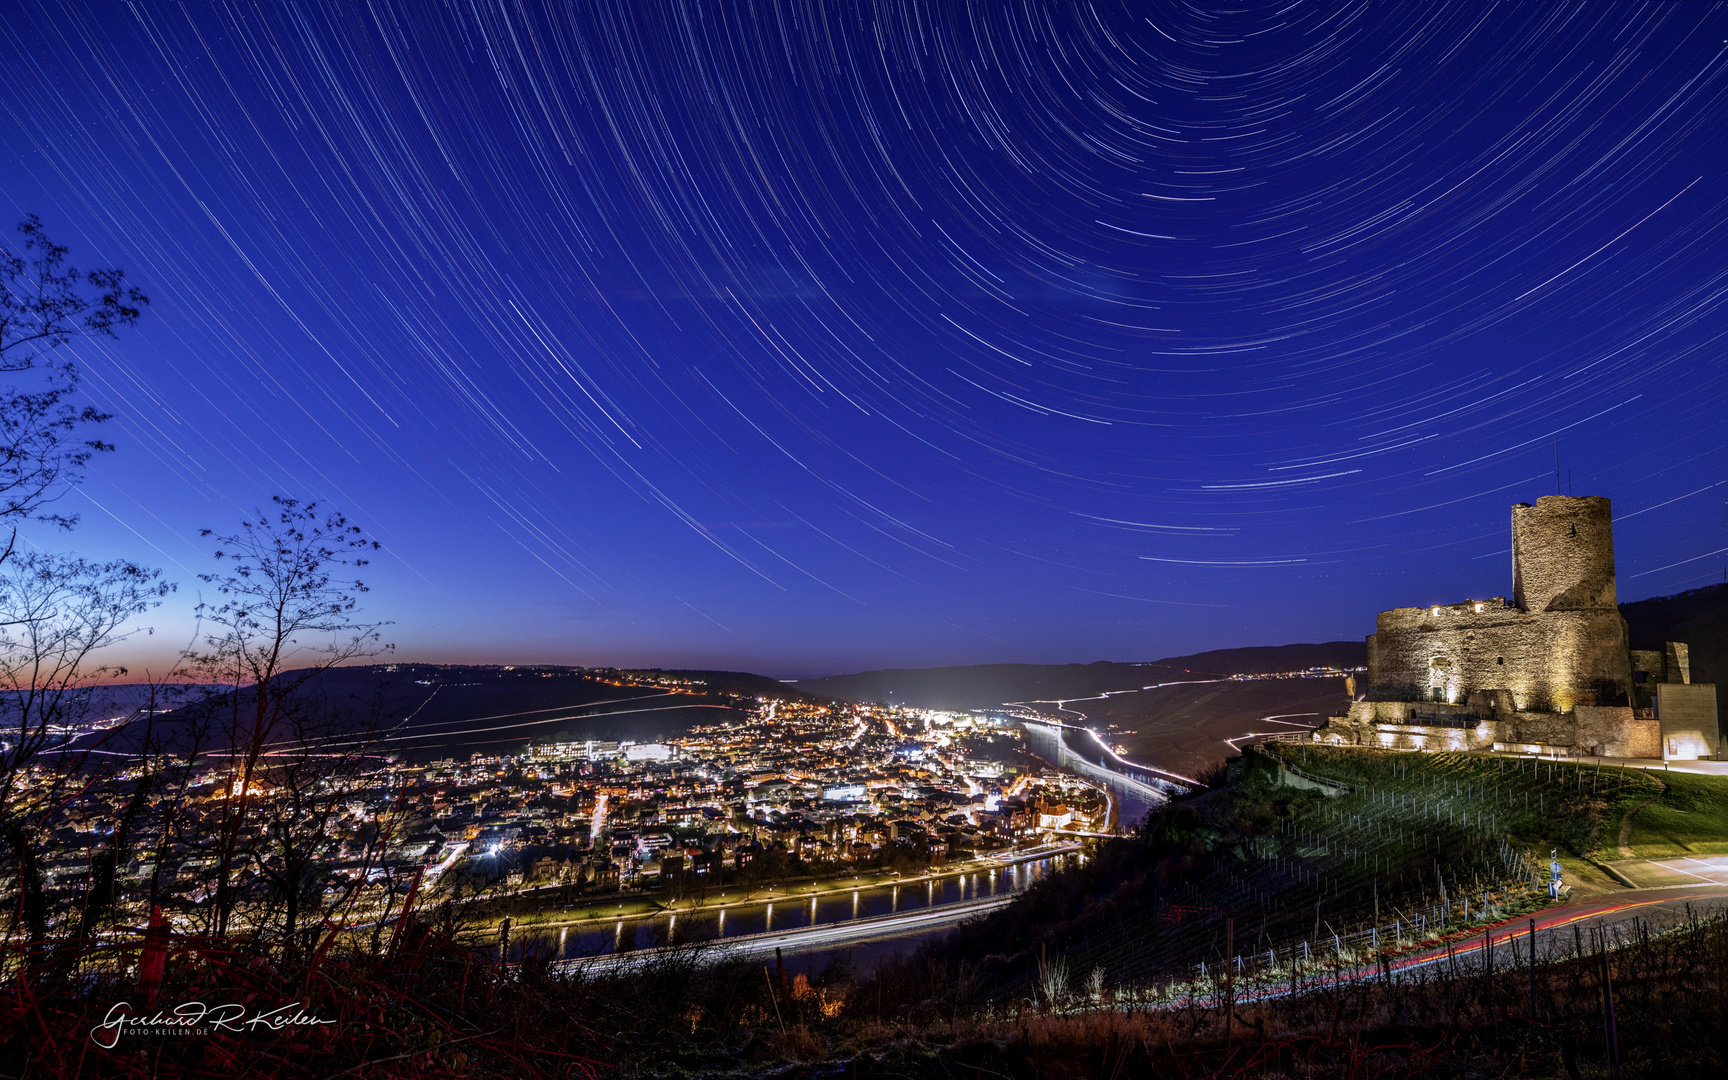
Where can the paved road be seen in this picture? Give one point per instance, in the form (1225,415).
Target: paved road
(1507,943)
(1554,927)
(1688,870)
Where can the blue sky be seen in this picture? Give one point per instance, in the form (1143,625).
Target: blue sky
(754,338)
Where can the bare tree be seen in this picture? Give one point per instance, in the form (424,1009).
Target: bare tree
(285,617)
(56,612)
(105,786)
(44,304)
(320,840)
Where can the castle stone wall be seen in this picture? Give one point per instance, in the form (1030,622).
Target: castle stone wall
(1411,725)
(1600,730)
(1677,662)
(1563,554)
(1552,669)
(1553,661)
(1597,730)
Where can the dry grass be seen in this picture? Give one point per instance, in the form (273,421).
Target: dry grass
(434,1008)
(1670,996)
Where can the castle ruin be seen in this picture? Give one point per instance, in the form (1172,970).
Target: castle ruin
(1549,672)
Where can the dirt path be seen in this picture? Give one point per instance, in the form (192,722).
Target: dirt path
(1626,819)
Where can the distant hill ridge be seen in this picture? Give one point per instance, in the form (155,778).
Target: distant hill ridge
(1698,617)
(984,686)
(425,711)
(742,683)
(462,708)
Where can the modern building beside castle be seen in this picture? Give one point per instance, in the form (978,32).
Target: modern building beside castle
(1549,672)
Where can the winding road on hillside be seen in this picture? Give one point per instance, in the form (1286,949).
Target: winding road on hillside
(1553,927)
(1558,932)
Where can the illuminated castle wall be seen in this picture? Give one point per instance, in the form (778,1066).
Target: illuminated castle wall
(1549,670)
(1560,643)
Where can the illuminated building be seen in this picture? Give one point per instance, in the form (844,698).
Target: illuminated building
(1549,671)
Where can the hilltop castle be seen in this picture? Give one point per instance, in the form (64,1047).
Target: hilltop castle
(1551,671)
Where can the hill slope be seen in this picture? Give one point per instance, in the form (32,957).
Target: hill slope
(427,711)
(1699,617)
(987,686)
(435,710)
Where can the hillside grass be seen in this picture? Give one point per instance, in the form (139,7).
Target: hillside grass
(1540,804)
(1574,807)
(1418,848)
(1690,818)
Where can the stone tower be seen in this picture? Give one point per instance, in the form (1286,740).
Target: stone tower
(1563,555)
(1552,668)
(1551,671)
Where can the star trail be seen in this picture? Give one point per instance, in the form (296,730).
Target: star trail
(806,338)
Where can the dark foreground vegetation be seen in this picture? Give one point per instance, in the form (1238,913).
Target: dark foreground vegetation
(418,1003)
(1095,971)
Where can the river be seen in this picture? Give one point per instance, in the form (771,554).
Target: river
(1076,750)
(1073,749)
(835,905)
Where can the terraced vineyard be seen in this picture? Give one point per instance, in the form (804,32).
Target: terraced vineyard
(1405,848)
(1568,804)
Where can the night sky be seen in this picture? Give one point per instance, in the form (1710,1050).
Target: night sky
(809,339)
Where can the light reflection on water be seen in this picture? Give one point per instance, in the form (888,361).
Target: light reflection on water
(1135,799)
(734,920)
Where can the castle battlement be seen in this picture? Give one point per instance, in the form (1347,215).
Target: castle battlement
(1551,669)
